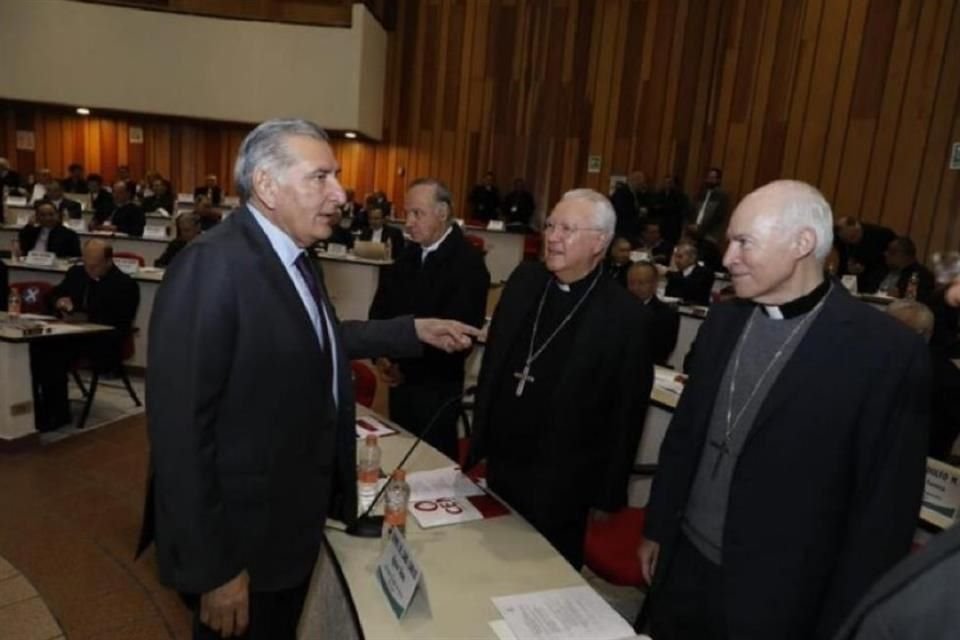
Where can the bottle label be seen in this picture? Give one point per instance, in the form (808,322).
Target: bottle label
(395,517)
(369,476)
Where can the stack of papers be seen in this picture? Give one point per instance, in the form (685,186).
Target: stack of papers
(370,426)
(445,496)
(666,379)
(560,614)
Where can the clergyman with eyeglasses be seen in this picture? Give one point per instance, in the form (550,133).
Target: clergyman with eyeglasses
(565,380)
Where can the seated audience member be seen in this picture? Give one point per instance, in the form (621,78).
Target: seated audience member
(208,216)
(945,410)
(123,175)
(126,217)
(902,264)
(688,280)
(651,241)
(37,185)
(47,233)
(145,186)
(518,206)
(188,228)
(9,179)
(618,260)
(161,197)
(484,199)
(95,291)
(642,279)
(209,190)
(380,198)
(670,207)
(101,200)
(379,231)
(75,182)
(340,235)
(352,211)
(709,252)
(862,247)
(71,208)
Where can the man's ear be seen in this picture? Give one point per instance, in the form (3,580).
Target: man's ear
(805,242)
(265,187)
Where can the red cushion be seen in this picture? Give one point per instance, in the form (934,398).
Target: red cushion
(610,548)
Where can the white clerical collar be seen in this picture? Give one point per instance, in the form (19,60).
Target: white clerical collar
(689,270)
(563,286)
(436,245)
(773,312)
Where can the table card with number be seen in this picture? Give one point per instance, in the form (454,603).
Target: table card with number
(495,225)
(41,258)
(127,265)
(399,575)
(154,232)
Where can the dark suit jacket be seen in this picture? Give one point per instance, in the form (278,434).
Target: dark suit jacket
(826,491)
(869,252)
(213,193)
(249,451)
(695,288)
(394,234)
(925,282)
(112,300)
(174,247)
(62,240)
(452,283)
(129,219)
(916,600)
(70,208)
(102,204)
(11,179)
(664,328)
(69,186)
(341,236)
(165,202)
(717,214)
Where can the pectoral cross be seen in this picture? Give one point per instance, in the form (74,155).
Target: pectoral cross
(723,449)
(523,377)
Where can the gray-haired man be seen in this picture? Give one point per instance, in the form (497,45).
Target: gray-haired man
(250,405)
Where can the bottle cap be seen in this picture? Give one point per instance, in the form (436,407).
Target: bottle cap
(371,440)
(400,474)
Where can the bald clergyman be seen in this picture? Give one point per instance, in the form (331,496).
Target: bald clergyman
(790,477)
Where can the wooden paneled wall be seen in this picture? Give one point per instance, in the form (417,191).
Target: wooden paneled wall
(184,151)
(859,97)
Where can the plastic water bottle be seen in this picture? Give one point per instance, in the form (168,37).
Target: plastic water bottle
(13,303)
(368,471)
(395,509)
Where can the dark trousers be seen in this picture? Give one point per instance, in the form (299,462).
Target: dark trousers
(688,602)
(274,615)
(414,405)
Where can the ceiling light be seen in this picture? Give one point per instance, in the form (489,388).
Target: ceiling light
(83,111)
(350,134)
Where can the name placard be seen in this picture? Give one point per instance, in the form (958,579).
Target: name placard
(41,258)
(496,225)
(941,494)
(154,232)
(16,201)
(23,218)
(127,265)
(77,224)
(399,575)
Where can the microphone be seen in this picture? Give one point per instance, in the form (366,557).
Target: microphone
(368,526)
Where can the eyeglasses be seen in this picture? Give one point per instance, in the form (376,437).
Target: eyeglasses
(565,230)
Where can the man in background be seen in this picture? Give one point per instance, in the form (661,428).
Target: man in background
(861,247)
(712,208)
(209,190)
(485,199)
(642,280)
(379,231)
(687,279)
(47,233)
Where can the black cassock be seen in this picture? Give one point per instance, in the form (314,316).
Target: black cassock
(568,443)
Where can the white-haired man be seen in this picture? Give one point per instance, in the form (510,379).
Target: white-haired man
(565,380)
(791,474)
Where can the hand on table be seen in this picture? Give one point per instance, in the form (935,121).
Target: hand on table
(447,335)
(64,304)
(226,609)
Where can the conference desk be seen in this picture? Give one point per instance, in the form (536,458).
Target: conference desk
(351,282)
(17,216)
(16,389)
(148,280)
(464,566)
(147,248)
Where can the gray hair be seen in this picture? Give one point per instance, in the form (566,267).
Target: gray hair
(915,315)
(265,148)
(604,217)
(441,194)
(805,206)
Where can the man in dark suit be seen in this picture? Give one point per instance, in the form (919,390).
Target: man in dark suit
(379,231)
(160,197)
(790,477)
(518,206)
(70,208)
(861,247)
(712,208)
(75,182)
(905,276)
(250,413)
(95,291)
(47,233)
(126,216)
(618,260)
(565,380)
(438,274)
(632,200)
(642,281)
(660,251)
(688,280)
(9,179)
(209,190)
(485,199)
(101,200)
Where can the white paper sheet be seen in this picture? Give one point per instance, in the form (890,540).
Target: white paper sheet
(559,614)
(369,426)
(502,629)
(446,482)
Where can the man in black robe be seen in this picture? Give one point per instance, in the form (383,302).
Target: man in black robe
(861,247)
(687,279)
(632,201)
(565,380)
(518,206)
(642,278)
(485,199)
(790,476)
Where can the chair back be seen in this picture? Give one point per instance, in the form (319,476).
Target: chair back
(476,242)
(364,383)
(33,295)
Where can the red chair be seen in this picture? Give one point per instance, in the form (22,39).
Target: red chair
(130,256)
(532,246)
(33,296)
(127,351)
(476,242)
(610,546)
(364,383)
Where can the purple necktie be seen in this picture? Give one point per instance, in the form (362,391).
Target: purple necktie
(310,278)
